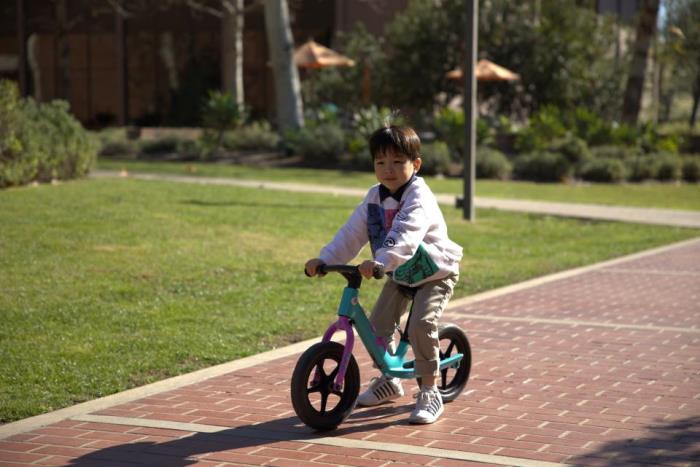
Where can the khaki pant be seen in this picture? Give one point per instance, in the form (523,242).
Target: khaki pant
(430,300)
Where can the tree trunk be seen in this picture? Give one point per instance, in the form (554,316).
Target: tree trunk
(696,99)
(281,46)
(646,28)
(232,52)
(63,86)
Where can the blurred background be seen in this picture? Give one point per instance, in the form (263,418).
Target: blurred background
(600,90)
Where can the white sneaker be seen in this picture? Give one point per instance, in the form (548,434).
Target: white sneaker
(428,406)
(380,390)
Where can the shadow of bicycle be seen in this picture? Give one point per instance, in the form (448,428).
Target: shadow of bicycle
(191,449)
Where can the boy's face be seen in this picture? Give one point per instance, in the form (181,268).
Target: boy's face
(393,169)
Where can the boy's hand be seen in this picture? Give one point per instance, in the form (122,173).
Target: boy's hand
(367,268)
(312,266)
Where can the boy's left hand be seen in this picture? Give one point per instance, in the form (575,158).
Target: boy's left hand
(367,268)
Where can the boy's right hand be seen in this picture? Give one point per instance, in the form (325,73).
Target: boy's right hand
(312,266)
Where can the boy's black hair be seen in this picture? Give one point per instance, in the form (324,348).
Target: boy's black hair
(393,138)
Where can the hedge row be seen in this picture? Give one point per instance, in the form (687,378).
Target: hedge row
(40,142)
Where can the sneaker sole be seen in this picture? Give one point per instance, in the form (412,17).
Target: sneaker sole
(385,401)
(419,421)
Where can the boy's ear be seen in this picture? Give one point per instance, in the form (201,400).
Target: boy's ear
(417,163)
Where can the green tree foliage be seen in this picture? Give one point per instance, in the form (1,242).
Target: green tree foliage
(561,51)
(682,35)
(424,43)
(355,87)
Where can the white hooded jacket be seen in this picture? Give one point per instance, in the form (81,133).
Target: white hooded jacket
(406,231)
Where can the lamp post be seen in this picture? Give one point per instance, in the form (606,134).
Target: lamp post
(470,109)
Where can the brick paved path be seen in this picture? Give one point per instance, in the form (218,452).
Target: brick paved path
(597,368)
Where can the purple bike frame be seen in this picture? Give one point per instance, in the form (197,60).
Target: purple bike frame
(343,324)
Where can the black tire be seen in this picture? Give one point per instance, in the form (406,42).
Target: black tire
(452,380)
(311,400)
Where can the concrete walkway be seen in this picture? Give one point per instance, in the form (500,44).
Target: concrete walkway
(594,366)
(587,211)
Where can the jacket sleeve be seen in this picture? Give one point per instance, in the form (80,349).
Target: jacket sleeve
(407,232)
(349,240)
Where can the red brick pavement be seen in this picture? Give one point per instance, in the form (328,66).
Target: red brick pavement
(563,372)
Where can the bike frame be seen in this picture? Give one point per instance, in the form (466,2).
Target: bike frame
(350,313)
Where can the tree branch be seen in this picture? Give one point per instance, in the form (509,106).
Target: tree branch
(204,8)
(117,6)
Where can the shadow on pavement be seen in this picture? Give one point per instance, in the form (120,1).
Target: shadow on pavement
(675,443)
(187,451)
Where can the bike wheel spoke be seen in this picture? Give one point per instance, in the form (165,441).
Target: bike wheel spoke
(448,352)
(443,377)
(324,401)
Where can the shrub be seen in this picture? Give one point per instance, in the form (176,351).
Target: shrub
(642,168)
(435,157)
(40,141)
(318,145)
(491,163)
(189,149)
(165,145)
(622,134)
(449,126)
(117,148)
(257,135)
(604,170)
(544,126)
(542,167)
(615,152)
(16,167)
(588,126)
(573,148)
(670,167)
(220,113)
(691,169)
(366,121)
(53,138)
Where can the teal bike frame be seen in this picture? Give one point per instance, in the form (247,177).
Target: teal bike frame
(351,313)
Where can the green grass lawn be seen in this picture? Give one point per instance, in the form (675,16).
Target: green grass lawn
(652,195)
(113,283)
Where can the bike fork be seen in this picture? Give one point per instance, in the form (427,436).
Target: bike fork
(343,324)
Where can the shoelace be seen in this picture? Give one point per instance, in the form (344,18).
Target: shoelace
(428,401)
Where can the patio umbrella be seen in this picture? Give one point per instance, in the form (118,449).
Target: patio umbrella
(486,71)
(313,55)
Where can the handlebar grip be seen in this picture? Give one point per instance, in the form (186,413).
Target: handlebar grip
(378,271)
(320,271)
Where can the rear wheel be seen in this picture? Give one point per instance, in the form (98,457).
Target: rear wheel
(451,381)
(316,400)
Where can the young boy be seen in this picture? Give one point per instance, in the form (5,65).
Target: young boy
(401,220)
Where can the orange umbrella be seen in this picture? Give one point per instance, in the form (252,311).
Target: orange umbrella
(486,71)
(314,55)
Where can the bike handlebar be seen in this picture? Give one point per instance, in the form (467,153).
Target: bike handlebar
(378,272)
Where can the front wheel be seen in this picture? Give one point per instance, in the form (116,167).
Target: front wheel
(451,381)
(316,400)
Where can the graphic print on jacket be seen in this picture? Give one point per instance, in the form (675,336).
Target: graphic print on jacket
(379,223)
